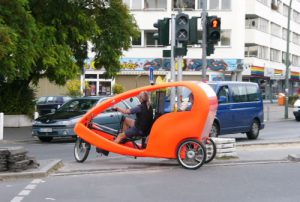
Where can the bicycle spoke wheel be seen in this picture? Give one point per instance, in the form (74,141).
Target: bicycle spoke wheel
(211,150)
(191,154)
(81,150)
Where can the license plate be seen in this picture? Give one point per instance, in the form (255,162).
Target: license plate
(45,130)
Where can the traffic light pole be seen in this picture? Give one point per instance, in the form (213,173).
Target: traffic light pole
(172,98)
(204,43)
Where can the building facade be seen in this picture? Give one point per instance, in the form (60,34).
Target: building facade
(252,46)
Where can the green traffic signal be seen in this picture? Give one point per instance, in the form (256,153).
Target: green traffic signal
(162,35)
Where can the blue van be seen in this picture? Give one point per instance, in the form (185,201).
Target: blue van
(240,109)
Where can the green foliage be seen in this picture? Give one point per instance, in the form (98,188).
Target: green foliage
(117,89)
(49,38)
(73,87)
(21,101)
(292,99)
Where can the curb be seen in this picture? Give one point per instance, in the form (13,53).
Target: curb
(48,167)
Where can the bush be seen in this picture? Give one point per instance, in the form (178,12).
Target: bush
(73,88)
(292,99)
(118,88)
(17,98)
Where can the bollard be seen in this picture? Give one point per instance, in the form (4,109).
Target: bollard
(1,125)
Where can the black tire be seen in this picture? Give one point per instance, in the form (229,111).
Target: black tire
(254,130)
(215,130)
(297,118)
(81,150)
(45,139)
(211,150)
(187,153)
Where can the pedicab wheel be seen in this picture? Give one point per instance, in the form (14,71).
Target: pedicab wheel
(191,154)
(211,150)
(81,150)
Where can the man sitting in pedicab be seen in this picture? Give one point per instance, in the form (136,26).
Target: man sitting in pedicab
(144,119)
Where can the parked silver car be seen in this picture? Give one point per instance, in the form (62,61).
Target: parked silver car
(61,123)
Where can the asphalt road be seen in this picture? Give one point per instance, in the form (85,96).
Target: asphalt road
(257,182)
(276,131)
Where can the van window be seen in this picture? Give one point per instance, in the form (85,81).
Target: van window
(239,94)
(224,92)
(252,93)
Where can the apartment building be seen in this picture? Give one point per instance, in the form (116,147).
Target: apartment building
(252,46)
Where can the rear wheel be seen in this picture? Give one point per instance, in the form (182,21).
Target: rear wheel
(45,139)
(211,150)
(191,154)
(297,118)
(215,130)
(81,150)
(254,131)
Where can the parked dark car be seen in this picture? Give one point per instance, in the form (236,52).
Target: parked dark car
(61,123)
(48,104)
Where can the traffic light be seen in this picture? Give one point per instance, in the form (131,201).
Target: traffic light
(213,29)
(162,35)
(210,49)
(193,30)
(182,27)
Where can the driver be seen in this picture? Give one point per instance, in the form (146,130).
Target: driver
(144,119)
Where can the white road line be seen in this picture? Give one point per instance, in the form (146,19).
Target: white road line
(17,199)
(30,186)
(24,193)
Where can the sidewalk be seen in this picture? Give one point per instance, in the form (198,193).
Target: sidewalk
(274,112)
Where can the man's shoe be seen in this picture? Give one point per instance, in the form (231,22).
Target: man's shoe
(102,151)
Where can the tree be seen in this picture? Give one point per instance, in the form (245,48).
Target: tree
(48,39)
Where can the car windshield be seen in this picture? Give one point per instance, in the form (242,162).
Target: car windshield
(78,105)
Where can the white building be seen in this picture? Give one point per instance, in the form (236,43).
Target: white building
(252,46)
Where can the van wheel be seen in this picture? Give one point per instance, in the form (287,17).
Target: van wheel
(45,139)
(215,130)
(297,118)
(254,131)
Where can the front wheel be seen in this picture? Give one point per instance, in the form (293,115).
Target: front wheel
(254,130)
(81,150)
(211,150)
(191,154)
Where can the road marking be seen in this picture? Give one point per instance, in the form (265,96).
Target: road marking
(24,192)
(17,199)
(27,190)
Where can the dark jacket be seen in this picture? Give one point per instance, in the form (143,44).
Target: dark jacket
(144,119)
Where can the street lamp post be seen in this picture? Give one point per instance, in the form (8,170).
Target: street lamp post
(287,63)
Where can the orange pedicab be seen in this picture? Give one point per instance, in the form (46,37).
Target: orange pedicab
(181,135)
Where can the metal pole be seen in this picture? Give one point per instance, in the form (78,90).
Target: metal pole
(172,98)
(179,77)
(1,125)
(204,44)
(287,63)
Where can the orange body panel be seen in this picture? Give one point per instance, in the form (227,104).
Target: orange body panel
(168,131)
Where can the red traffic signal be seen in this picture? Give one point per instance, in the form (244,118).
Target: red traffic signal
(213,28)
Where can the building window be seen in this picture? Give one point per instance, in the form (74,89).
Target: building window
(275,30)
(136,4)
(149,40)
(296,60)
(257,51)
(285,10)
(213,4)
(296,16)
(296,38)
(275,55)
(137,41)
(257,23)
(265,2)
(186,4)
(226,4)
(155,4)
(284,57)
(225,37)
